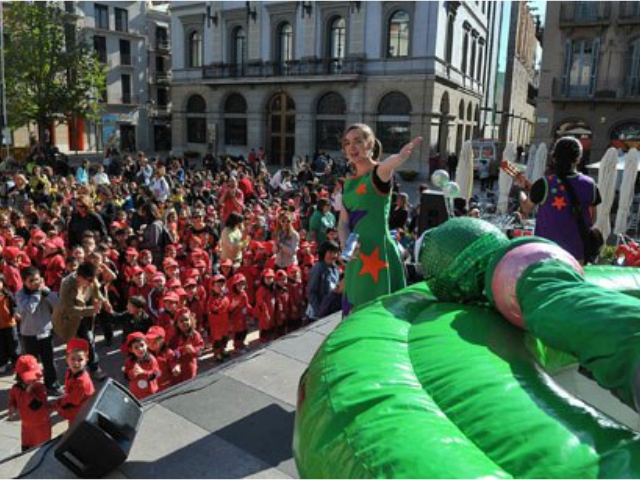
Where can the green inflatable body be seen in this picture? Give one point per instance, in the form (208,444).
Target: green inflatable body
(411,386)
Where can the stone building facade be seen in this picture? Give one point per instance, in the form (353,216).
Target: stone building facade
(590,83)
(290,76)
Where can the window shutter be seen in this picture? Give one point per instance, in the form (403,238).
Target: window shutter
(594,66)
(567,67)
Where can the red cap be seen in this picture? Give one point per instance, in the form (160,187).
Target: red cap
(173,283)
(268,272)
(137,270)
(218,278)
(131,251)
(151,269)
(200,264)
(78,344)
(169,262)
(11,252)
(237,278)
(171,297)
(304,244)
(28,368)
(155,331)
(291,269)
(171,246)
(158,276)
(192,272)
(38,234)
(280,274)
(145,252)
(183,311)
(227,262)
(189,282)
(181,292)
(130,339)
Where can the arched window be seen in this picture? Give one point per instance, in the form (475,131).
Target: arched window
(398,34)
(195,49)
(235,120)
(196,119)
(285,46)
(239,50)
(337,43)
(393,127)
(330,121)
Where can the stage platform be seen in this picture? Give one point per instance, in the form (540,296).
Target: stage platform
(233,421)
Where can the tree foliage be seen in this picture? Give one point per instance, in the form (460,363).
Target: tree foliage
(51,72)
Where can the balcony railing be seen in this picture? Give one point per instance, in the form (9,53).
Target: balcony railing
(609,90)
(125,59)
(629,12)
(163,77)
(163,45)
(304,67)
(584,13)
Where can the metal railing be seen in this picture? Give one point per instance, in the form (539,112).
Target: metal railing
(162,44)
(304,67)
(163,77)
(584,13)
(617,89)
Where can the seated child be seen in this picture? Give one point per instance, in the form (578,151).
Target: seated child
(141,367)
(78,387)
(28,399)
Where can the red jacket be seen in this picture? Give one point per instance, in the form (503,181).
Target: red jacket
(167,360)
(218,311)
(34,413)
(196,305)
(297,300)
(265,308)
(54,272)
(282,306)
(78,389)
(143,384)
(239,311)
(12,278)
(166,320)
(188,360)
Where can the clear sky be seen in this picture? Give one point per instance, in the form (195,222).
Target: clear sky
(504,34)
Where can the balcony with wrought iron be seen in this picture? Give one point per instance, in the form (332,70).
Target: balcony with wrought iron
(313,67)
(629,13)
(582,14)
(163,45)
(608,90)
(163,77)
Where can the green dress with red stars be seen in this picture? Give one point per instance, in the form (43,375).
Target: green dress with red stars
(376,268)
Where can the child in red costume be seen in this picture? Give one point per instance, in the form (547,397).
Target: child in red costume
(141,367)
(239,310)
(195,300)
(218,312)
(297,297)
(55,266)
(166,358)
(167,316)
(265,306)
(187,343)
(281,314)
(78,387)
(28,399)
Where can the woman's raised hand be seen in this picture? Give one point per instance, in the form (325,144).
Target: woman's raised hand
(405,152)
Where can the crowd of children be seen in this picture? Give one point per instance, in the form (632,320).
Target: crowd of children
(194,270)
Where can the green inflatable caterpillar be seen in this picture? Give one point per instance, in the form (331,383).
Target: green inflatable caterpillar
(432,382)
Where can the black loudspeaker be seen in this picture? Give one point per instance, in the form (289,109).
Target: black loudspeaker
(100,438)
(433,210)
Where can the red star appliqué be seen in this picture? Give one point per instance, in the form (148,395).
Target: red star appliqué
(559,202)
(362,189)
(372,264)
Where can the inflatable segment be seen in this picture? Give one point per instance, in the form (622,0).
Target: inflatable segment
(413,385)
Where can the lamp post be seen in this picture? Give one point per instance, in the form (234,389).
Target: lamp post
(5,129)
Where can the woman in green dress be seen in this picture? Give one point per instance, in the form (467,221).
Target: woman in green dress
(375,269)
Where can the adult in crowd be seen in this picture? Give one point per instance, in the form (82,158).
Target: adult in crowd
(154,232)
(399,215)
(286,241)
(231,199)
(556,219)
(84,219)
(232,239)
(324,278)
(73,316)
(322,219)
(160,185)
(376,269)
(82,172)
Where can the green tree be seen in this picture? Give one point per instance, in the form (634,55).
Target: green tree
(52,74)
